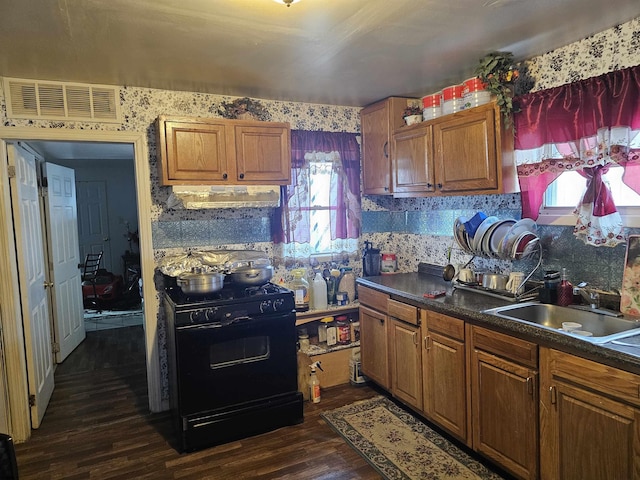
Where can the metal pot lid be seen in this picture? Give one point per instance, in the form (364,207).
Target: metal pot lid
(198,276)
(251,266)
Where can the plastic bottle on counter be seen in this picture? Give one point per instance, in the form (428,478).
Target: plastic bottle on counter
(300,288)
(348,284)
(332,334)
(319,289)
(565,290)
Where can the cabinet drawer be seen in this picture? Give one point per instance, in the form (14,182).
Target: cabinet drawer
(373,298)
(616,383)
(446,325)
(505,346)
(402,311)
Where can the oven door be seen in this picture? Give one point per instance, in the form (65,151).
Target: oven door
(224,366)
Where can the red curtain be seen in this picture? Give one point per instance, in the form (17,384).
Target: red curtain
(581,121)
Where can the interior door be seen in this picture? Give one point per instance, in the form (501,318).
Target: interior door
(33,282)
(93,221)
(64,258)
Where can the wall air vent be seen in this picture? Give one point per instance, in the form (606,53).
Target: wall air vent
(46,100)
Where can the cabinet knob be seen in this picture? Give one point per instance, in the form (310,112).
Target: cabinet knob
(440,186)
(224,176)
(241,176)
(429,185)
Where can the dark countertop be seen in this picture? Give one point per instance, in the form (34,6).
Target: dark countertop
(468,306)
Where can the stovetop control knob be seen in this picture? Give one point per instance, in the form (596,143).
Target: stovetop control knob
(210,314)
(197,316)
(266,306)
(277,304)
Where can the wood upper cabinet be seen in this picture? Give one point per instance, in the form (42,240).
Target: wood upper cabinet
(412,164)
(374,348)
(589,419)
(213,151)
(504,400)
(466,152)
(444,378)
(405,353)
(377,123)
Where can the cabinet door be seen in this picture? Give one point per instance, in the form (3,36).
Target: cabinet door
(377,123)
(194,153)
(505,413)
(374,350)
(589,419)
(263,154)
(466,155)
(405,360)
(590,437)
(412,161)
(444,383)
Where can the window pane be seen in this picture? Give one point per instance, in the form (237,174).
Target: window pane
(568,188)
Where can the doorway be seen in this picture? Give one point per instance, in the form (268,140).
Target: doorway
(107,222)
(10,298)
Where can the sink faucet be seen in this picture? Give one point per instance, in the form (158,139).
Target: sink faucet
(590,296)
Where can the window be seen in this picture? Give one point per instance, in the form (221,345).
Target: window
(320,211)
(564,193)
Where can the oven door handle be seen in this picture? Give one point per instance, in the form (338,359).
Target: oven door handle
(231,321)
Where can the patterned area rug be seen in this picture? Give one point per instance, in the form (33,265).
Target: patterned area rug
(399,445)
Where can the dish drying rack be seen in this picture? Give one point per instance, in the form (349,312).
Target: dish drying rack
(526,295)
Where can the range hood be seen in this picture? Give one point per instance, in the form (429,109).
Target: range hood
(233,196)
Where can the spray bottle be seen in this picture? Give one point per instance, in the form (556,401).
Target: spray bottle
(314,383)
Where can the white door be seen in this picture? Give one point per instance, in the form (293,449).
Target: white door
(93,221)
(64,258)
(32,275)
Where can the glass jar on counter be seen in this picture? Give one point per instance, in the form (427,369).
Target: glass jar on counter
(348,284)
(343,330)
(332,334)
(322,329)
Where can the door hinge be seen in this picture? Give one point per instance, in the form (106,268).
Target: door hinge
(56,347)
(11,171)
(32,400)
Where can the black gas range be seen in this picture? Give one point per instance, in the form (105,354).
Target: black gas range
(232,363)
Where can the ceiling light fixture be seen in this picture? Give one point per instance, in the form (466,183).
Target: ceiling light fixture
(287,2)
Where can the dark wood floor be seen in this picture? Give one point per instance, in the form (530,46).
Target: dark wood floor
(98,426)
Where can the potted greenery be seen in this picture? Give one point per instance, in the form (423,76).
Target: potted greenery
(412,114)
(244,109)
(500,74)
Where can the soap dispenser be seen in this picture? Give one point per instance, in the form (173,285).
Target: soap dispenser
(565,290)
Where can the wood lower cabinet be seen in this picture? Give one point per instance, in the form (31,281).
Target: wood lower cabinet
(215,151)
(444,373)
(377,123)
(374,345)
(504,400)
(405,353)
(589,419)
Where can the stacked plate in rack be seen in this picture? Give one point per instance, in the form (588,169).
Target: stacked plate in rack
(504,239)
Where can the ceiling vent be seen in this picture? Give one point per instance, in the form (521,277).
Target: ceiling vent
(45,100)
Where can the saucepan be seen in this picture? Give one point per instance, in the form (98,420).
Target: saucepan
(198,282)
(251,274)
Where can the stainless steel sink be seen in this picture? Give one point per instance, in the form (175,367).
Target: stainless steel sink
(603,328)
